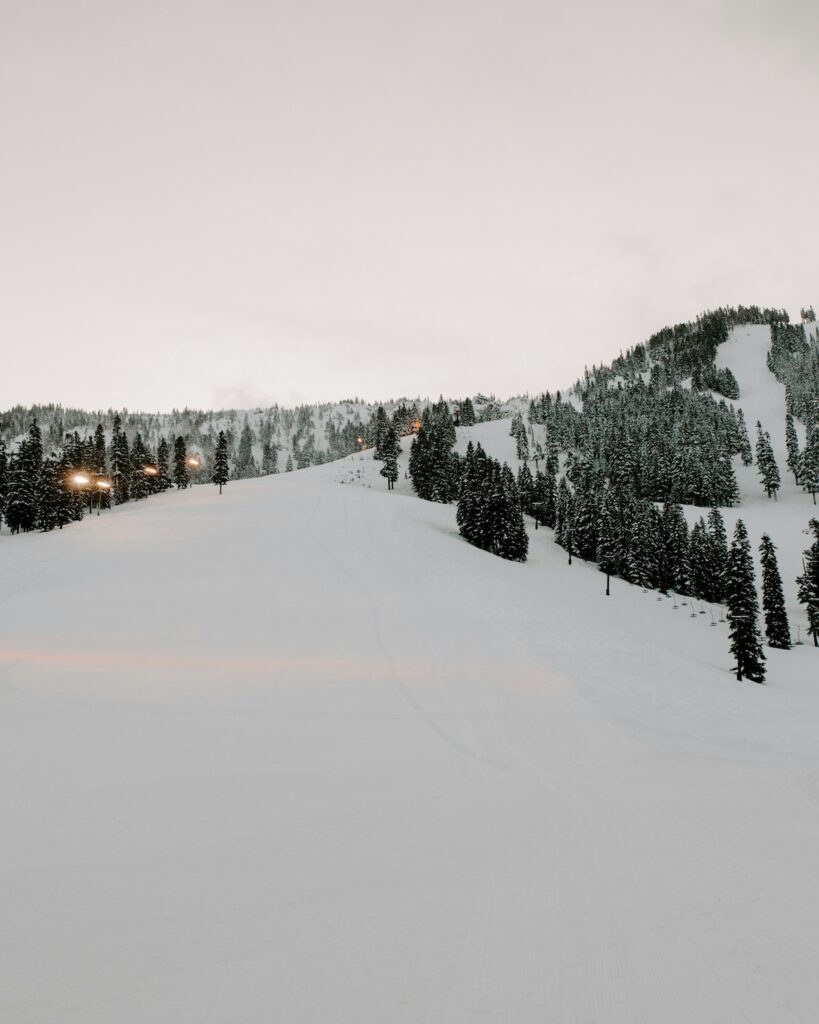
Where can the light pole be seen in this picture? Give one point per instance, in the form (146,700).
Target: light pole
(103,487)
(193,464)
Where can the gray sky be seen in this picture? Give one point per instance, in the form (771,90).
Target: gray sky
(231,203)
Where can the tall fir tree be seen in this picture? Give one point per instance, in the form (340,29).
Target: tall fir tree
(221,469)
(608,541)
(270,458)
(743,609)
(794,456)
(181,476)
(773,599)
(163,455)
(390,449)
(808,583)
(809,465)
(766,463)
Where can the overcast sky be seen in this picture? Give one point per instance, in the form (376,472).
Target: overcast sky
(235,203)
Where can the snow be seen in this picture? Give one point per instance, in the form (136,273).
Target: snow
(299,753)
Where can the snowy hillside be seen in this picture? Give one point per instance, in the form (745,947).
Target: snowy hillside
(300,753)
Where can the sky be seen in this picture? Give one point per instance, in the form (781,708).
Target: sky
(238,203)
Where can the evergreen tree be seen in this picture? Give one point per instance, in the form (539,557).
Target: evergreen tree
(718,555)
(221,469)
(48,496)
(743,609)
(120,463)
(809,471)
(608,541)
(289,466)
(390,449)
(766,463)
(808,584)
(98,464)
(792,446)
(163,455)
(467,413)
(773,599)
(245,465)
(270,458)
(181,477)
(142,469)
(380,431)
(4,479)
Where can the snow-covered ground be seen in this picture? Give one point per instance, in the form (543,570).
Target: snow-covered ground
(299,753)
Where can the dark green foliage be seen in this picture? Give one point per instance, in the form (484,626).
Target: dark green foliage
(795,362)
(743,609)
(245,465)
(120,463)
(766,463)
(270,458)
(181,476)
(467,411)
(433,467)
(141,470)
(489,511)
(163,454)
(808,583)
(4,479)
(221,469)
(379,428)
(794,457)
(609,541)
(390,450)
(773,600)
(809,465)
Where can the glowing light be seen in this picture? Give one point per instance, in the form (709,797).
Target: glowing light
(104,485)
(80,480)
(192,461)
(150,470)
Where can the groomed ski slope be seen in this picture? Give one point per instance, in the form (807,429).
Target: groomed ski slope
(299,753)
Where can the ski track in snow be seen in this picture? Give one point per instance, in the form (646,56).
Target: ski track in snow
(300,753)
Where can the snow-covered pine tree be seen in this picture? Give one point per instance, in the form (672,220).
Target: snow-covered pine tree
(221,469)
(743,609)
(743,441)
(809,469)
(718,554)
(390,449)
(467,413)
(4,479)
(609,550)
(120,463)
(289,464)
(380,430)
(245,465)
(794,457)
(163,454)
(181,477)
(773,599)
(270,458)
(808,583)
(766,463)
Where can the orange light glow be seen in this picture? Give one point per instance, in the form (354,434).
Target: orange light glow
(80,480)
(150,470)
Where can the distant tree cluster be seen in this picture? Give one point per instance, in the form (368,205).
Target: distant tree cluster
(46,492)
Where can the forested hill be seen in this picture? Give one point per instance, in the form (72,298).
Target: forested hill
(260,440)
